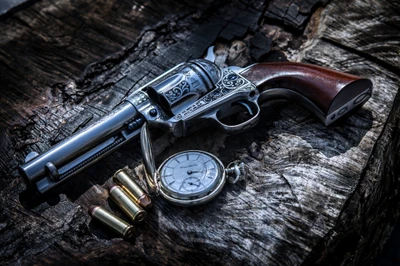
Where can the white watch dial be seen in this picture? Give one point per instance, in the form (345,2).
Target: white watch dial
(190,174)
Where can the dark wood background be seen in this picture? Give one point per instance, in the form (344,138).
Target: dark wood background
(315,195)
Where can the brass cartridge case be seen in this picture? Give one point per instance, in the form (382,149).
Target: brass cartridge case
(112,221)
(132,189)
(129,207)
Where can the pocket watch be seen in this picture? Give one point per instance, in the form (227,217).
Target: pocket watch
(187,178)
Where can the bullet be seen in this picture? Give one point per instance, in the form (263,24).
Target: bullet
(112,221)
(129,207)
(132,189)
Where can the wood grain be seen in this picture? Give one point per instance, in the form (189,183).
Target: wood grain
(312,190)
(293,14)
(319,85)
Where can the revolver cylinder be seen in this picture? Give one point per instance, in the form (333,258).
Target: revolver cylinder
(191,81)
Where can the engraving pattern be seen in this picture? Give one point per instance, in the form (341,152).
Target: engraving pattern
(138,97)
(229,83)
(178,91)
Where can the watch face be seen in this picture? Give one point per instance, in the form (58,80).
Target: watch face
(191,175)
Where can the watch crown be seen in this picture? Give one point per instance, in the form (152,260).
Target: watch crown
(236,170)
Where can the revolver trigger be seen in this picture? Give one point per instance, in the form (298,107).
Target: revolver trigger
(245,105)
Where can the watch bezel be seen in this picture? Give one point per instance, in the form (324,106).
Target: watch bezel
(195,200)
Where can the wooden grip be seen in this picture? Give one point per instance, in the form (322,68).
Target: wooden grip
(327,93)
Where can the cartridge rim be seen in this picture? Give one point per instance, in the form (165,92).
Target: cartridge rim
(140,216)
(112,222)
(119,171)
(134,211)
(132,188)
(128,232)
(114,188)
(92,210)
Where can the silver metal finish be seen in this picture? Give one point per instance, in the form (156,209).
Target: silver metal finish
(187,178)
(52,172)
(191,178)
(236,170)
(347,107)
(69,149)
(152,176)
(32,155)
(74,154)
(210,54)
(236,69)
(218,104)
(184,99)
(179,87)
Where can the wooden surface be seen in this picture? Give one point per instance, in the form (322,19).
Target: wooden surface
(315,194)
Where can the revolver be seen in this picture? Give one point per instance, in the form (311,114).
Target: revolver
(193,95)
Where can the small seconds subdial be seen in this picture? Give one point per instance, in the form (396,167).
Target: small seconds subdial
(191,184)
(190,174)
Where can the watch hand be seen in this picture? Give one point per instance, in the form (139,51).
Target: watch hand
(189,172)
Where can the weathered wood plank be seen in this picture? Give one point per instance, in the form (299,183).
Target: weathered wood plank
(67,97)
(373,35)
(84,63)
(97,35)
(293,14)
(373,207)
(309,186)
(6,6)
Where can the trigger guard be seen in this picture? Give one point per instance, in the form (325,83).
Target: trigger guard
(239,127)
(245,105)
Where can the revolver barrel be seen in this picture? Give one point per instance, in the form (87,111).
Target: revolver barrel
(75,153)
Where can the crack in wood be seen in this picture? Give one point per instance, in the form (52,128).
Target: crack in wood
(292,15)
(264,220)
(370,57)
